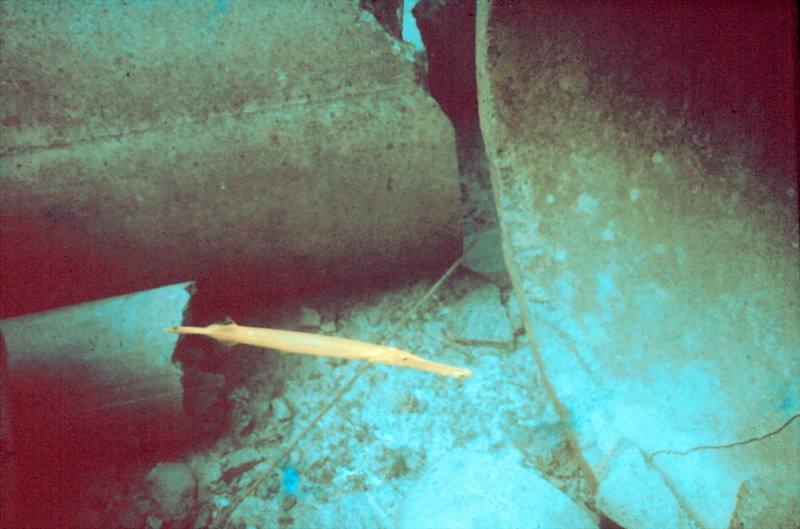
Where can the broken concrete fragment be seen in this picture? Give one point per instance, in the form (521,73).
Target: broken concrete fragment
(651,504)
(241,457)
(251,512)
(328,327)
(739,484)
(104,355)
(88,385)
(757,492)
(173,488)
(280,409)
(483,319)
(476,490)
(259,149)
(310,319)
(485,257)
(652,241)
(207,469)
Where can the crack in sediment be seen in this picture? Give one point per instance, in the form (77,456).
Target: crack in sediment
(729,445)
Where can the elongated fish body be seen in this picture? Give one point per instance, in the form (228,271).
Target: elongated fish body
(319,345)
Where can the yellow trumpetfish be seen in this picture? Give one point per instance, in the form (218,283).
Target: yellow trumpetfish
(230,333)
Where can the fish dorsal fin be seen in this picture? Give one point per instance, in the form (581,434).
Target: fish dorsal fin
(227,322)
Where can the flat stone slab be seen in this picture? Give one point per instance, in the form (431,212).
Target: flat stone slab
(469,489)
